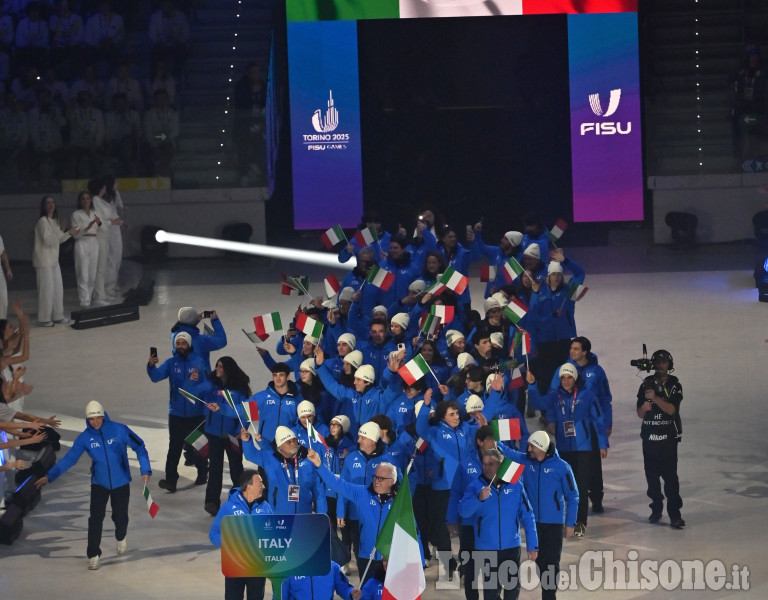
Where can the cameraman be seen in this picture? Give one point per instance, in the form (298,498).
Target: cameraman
(658,405)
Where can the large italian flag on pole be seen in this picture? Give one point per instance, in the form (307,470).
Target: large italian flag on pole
(398,542)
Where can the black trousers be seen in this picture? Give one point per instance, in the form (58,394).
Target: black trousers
(234,588)
(217,446)
(549,357)
(438,531)
(596,473)
(467,544)
(178,429)
(581,463)
(548,560)
(660,462)
(119,499)
(507,578)
(421,512)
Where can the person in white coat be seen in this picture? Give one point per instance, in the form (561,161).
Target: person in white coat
(45,259)
(115,258)
(109,219)
(86,247)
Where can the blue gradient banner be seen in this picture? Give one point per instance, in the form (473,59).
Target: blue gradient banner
(606,141)
(276,546)
(325,124)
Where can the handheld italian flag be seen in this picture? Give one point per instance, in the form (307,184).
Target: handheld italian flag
(332,285)
(444,312)
(505,430)
(413,370)
(512,269)
(516,380)
(515,310)
(488,273)
(557,231)
(294,284)
(333,236)
(190,396)
(314,436)
(421,444)
(252,414)
(309,326)
(198,441)
(454,280)
(576,291)
(525,343)
(152,506)
(429,324)
(366,236)
(266,324)
(399,543)
(510,471)
(379,277)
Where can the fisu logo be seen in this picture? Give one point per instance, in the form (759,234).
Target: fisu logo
(606,127)
(613,103)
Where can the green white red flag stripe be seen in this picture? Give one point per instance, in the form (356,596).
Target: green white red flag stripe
(266,324)
(414,369)
(557,230)
(398,542)
(510,471)
(512,269)
(429,323)
(381,278)
(454,280)
(309,326)
(444,312)
(488,273)
(576,291)
(251,411)
(314,436)
(152,506)
(421,444)
(198,441)
(366,236)
(332,285)
(516,380)
(189,396)
(525,343)
(515,310)
(298,284)
(505,430)
(333,236)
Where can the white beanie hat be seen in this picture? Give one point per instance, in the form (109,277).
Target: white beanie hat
(568,369)
(366,373)
(474,403)
(370,430)
(188,316)
(342,420)
(489,380)
(282,435)
(309,365)
(183,335)
(381,309)
(554,267)
(312,339)
(490,303)
(514,237)
(354,358)
(401,319)
(465,359)
(419,405)
(540,439)
(349,339)
(497,339)
(453,335)
(417,286)
(305,407)
(533,250)
(94,409)
(345,295)
(500,298)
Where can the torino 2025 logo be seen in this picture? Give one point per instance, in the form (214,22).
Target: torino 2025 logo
(605,127)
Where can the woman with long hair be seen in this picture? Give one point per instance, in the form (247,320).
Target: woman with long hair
(45,258)
(115,256)
(86,247)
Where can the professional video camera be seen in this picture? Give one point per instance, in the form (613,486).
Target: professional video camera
(644,363)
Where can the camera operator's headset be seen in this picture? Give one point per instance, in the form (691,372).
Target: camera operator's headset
(663,355)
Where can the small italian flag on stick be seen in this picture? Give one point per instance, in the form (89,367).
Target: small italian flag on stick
(314,436)
(512,269)
(510,471)
(505,430)
(488,273)
(366,236)
(515,310)
(266,324)
(414,369)
(516,380)
(189,396)
(152,506)
(576,291)
(557,231)
(198,441)
(309,326)
(333,236)
(429,324)
(444,312)
(332,285)
(454,281)
(379,277)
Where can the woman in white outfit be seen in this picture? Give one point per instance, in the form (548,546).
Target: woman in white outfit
(45,259)
(86,247)
(104,209)
(115,257)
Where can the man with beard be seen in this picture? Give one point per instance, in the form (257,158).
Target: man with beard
(377,348)
(184,370)
(277,402)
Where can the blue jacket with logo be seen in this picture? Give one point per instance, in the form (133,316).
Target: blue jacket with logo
(596,381)
(359,469)
(318,587)
(203,343)
(492,517)
(177,370)
(108,449)
(236,504)
(277,409)
(282,473)
(224,422)
(358,407)
(553,311)
(449,446)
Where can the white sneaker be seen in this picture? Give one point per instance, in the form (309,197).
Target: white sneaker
(122,546)
(99,302)
(46,323)
(62,321)
(93,563)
